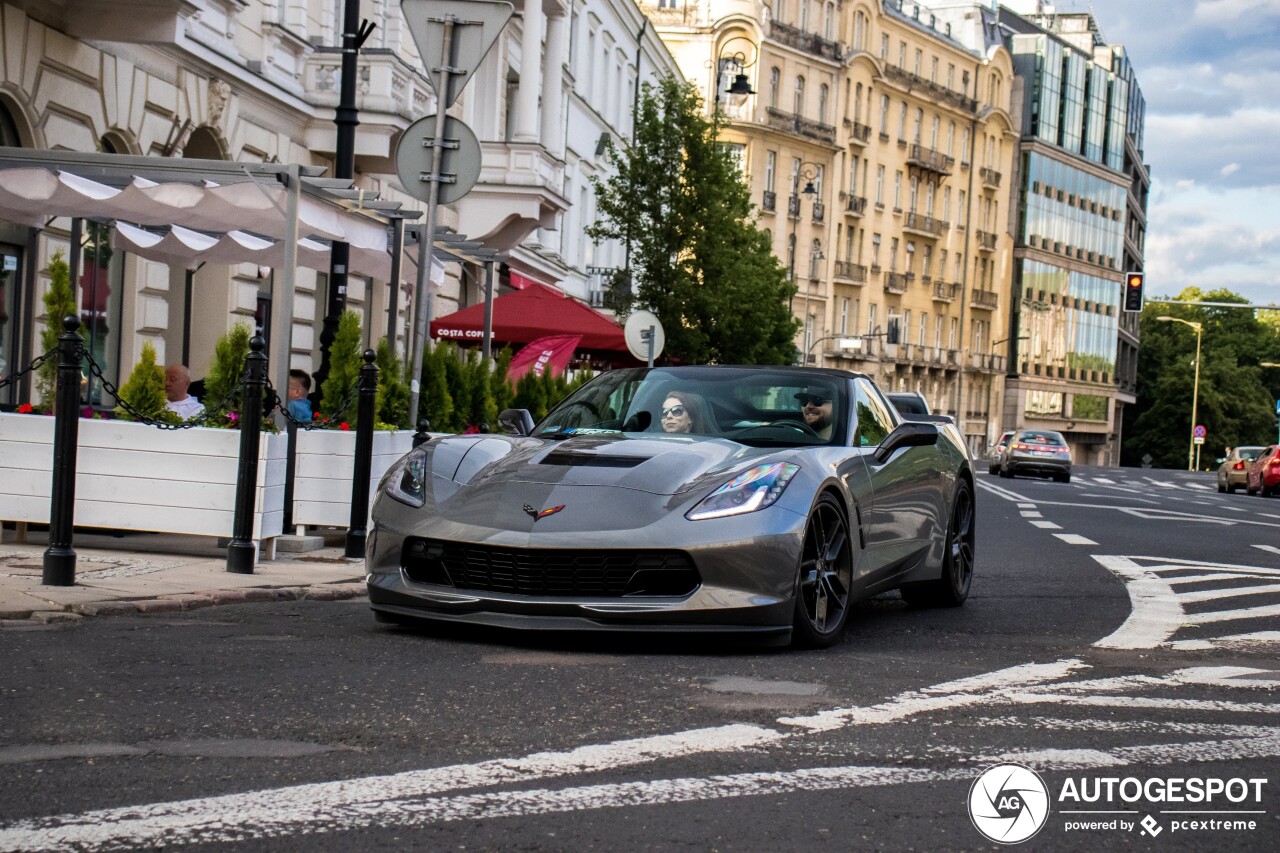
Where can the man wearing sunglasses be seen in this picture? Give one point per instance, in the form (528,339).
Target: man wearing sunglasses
(816,409)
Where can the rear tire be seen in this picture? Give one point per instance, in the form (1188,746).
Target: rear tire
(1006,472)
(1249,489)
(952,588)
(1221,487)
(825,578)
(1231,488)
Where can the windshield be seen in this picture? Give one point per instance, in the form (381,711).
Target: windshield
(758,406)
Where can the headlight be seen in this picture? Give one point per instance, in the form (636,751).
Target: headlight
(407,479)
(751,490)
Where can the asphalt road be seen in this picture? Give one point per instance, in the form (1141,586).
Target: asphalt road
(1123,626)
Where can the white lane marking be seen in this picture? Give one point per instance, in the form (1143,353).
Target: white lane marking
(1157,608)
(1152,514)
(1148,702)
(1046,525)
(525,803)
(1026,506)
(949,695)
(1161,483)
(283,810)
(1227,592)
(1238,640)
(1078,724)
(1075,539)
(1104,480)
(1030,513)
(1271,549)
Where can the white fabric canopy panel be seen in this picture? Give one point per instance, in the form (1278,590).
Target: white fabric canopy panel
(32,195)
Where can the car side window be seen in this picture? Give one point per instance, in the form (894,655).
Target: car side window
(874,420)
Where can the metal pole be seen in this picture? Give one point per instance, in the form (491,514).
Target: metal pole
(1195,399)
(420,311)
(486,343)
(242,550)
(649,334)
(397,251)
(346,119)
(283,287)
(357,531)
(290,471)
(60,556)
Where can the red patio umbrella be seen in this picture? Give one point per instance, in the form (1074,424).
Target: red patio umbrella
(534,312)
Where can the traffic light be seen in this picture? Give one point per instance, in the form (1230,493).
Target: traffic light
(1133,291)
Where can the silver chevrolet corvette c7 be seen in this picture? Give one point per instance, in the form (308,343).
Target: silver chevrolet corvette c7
(758,500)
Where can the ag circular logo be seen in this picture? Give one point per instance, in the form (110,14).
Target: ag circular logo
(1009,803)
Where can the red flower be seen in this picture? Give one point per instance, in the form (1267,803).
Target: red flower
(315,416)
(344,426)
(26,409)
(471,429)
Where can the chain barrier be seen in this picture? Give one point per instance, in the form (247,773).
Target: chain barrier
(199,420)
(30,368)
(315,423)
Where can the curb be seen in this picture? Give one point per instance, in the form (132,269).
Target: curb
(180,602)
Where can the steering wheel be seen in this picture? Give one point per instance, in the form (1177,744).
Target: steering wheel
(800,426)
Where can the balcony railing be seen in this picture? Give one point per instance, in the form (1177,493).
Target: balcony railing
(915,82)
(801,126)
(819,211)
(875,268)
(986,241)
(987,299)
(810,42)
(921,224)
(855,205)
(895,282)
(770,200)
(927,158)
(943,292)
(990,178)
(849,271)
(859,132)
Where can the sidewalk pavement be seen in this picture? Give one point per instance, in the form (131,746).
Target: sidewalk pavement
(157,573)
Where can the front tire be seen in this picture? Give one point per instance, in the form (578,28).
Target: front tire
(825,577)
(952,588)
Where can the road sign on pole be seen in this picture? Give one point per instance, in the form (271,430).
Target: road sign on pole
(459,159)
(477,25)
(1199,431)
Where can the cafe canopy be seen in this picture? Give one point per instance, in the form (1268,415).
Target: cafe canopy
(536,311)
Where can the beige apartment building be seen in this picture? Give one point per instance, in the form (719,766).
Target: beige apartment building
(879,147)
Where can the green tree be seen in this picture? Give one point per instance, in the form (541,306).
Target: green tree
(144,391)
(393,391)
(484,410)
(1236,395)
(59,301)
(226,373)
(345,359)
(698,259)
(435,402)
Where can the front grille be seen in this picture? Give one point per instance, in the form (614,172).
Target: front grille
(549,572)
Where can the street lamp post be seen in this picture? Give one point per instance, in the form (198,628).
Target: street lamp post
(1195,388)
(740,89)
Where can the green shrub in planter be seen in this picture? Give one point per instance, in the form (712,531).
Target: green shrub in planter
(435,401)
(59,301)
(144,391)
(393,391)
(226,374)
(344,371)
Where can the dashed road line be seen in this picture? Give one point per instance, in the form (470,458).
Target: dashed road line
(1046,525)
(1075,539)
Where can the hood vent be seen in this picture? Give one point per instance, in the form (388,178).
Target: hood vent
(592,460)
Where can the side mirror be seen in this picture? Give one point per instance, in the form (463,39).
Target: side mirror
(908,434)
(516,421)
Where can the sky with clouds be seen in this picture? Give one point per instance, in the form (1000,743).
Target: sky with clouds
(1210,72)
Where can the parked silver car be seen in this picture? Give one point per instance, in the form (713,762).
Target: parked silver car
(1233,473)
(1038,453)
(996,456)
(758,500)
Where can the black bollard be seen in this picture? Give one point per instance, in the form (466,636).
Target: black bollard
(242,550)
(290,470)
(60,557)
(422,435)
(367,384)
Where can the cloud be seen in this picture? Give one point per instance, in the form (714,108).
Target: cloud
(1229,169)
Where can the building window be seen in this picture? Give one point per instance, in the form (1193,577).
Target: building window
(799,100)
(823,92)
(770,169)
(775,80)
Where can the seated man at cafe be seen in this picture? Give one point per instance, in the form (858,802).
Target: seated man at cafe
(177,379)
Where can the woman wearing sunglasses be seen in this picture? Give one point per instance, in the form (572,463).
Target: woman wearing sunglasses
(683,412)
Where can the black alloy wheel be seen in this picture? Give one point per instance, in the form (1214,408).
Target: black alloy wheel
(952,588)
(826,577)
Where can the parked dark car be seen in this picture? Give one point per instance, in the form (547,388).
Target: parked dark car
(1037,453)
(1264,473)
(909,402)
(763,519)
(1233,473)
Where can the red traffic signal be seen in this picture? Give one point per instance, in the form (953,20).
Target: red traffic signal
(1133,291)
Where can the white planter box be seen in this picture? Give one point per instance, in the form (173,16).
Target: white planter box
(323,469)
(137,477)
